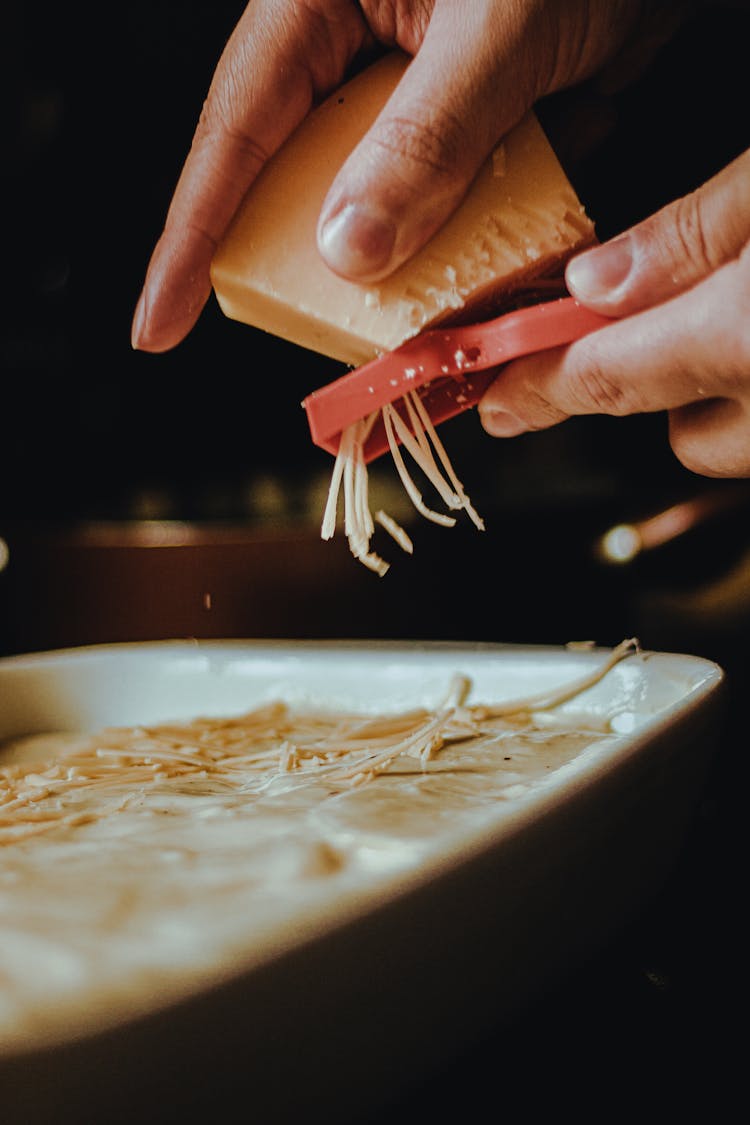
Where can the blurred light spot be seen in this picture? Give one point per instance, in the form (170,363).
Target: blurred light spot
(621,544)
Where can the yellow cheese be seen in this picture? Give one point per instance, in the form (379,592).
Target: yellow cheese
(520,219)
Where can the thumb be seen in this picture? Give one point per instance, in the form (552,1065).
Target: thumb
(670,251)
(416,162)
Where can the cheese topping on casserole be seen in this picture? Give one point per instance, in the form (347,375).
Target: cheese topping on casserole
(139,862)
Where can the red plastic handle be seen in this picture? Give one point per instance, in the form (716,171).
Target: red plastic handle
(449,368)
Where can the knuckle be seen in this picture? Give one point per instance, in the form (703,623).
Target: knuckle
(534,408)
(429,140)
(594,390)
(217,124)
(689,234)
(398,21)
(201,230)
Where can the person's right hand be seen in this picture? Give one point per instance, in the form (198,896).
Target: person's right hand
(478,67)
(677,286)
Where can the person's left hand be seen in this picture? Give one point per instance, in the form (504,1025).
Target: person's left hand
(475,70)
(679,284)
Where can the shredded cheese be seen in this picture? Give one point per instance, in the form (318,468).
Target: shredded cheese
(139,862)
(421,441)
(244,754)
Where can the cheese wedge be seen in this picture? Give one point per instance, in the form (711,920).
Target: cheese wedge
(520,220)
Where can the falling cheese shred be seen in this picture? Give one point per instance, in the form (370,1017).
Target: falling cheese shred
(419,438)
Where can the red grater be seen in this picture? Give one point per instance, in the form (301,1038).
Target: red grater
(450,369)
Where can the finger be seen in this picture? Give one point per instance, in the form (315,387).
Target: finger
(694,347)
(477,69)
(669,251)
(275,61)
(712,438)
(460,93)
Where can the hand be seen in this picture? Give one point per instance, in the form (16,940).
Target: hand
(478,66)
(680,281)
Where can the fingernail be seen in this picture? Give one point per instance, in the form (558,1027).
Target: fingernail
(138,320)
(356,242)
(499,423)
(597,273)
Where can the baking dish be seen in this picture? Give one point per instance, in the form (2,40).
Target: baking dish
(354,994)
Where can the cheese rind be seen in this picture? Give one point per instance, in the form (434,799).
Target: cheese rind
(520,219)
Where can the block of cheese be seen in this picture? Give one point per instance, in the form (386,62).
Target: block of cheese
(521,219)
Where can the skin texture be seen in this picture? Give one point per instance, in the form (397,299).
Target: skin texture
(679,280)
(478,65)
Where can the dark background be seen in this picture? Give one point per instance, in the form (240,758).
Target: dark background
(132,485)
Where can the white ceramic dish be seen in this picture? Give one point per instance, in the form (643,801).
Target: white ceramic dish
(354,995)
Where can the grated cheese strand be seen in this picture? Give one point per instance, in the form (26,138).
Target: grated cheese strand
(411,489)
(350,472)
(546,700)
(246,753)
(328,526)
(428,464)
(445,459)
(395,531)
(425,461)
